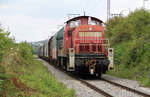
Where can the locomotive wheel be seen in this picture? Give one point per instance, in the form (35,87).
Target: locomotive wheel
(104,69)
(99,75)
(59,61)
(100,71)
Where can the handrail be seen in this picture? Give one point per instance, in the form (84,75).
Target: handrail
(103,44)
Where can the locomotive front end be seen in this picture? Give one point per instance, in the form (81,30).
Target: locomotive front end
(88,49)
(91,50)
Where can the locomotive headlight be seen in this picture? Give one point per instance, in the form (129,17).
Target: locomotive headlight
(90,29)
(110,52)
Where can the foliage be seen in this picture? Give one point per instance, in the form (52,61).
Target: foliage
(130,38)
(5,42)
(44,82)
(23,76)
(25,50)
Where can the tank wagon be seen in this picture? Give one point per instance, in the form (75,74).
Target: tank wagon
(80,46)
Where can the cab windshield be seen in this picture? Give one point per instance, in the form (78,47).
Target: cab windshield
(75,23)
(92,22)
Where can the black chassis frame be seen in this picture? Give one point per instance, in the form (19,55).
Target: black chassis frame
(101,67)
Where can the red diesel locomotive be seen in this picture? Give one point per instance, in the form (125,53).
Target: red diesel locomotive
(80,46)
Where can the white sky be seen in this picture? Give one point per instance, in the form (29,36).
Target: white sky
(34,20)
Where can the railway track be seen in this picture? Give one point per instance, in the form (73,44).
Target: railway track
(127,88)
(101,91)
(105,93)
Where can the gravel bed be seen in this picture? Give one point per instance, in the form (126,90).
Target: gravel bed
(125,82)
(111,89)
(129,83)
(81,89)
(84,91)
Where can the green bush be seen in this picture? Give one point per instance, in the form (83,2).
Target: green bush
(5,42)
(130,37)
(25,50)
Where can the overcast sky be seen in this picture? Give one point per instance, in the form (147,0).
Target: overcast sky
(34,20)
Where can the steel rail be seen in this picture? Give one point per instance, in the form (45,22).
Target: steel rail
(101,92)
(127,88)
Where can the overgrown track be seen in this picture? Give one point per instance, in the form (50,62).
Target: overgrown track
(127,88)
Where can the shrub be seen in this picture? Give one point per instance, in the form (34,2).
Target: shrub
(25,50)
(130,37)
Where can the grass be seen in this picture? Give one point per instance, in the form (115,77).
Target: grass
(32,79)
(23,76)
(38,77)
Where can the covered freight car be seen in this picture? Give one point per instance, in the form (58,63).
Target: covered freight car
(53,49)
(40,51)
(45,50)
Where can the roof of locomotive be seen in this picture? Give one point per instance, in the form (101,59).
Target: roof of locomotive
(84,17)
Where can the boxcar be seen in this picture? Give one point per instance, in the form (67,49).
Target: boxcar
(45,50)
(54,49)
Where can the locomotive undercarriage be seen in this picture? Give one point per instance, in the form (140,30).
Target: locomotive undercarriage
(94,64)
